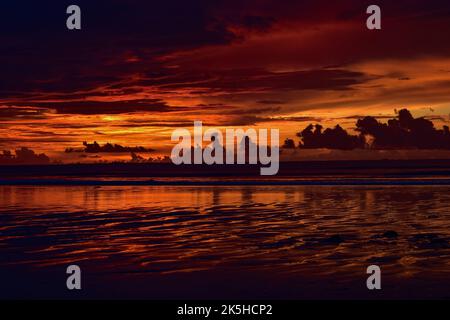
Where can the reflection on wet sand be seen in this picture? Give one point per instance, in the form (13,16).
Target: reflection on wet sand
(284,231)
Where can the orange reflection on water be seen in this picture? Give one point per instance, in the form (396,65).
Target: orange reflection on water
(171,229)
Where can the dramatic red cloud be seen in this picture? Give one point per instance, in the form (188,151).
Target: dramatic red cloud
(227,63)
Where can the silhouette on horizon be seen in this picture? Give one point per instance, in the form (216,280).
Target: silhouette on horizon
(405,132)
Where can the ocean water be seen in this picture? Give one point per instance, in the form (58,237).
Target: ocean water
(225,242)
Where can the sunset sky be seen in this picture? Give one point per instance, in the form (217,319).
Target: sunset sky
(140,69)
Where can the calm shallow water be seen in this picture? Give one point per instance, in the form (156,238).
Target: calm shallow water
(275,242)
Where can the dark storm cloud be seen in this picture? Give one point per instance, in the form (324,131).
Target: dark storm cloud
(245,120)
(259,23)
(153,123)
(15,113)
(232,120)
(302,119)
(119,39)
(112,29)
(357,117)
(235,81)
(233,110)
(105,107)
(38,52)
(272,102)
(259,79)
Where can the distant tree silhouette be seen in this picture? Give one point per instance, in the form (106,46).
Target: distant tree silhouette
(335,138)
(405,132)
(107,148)
(23,156)
(135,158)
(288,144)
